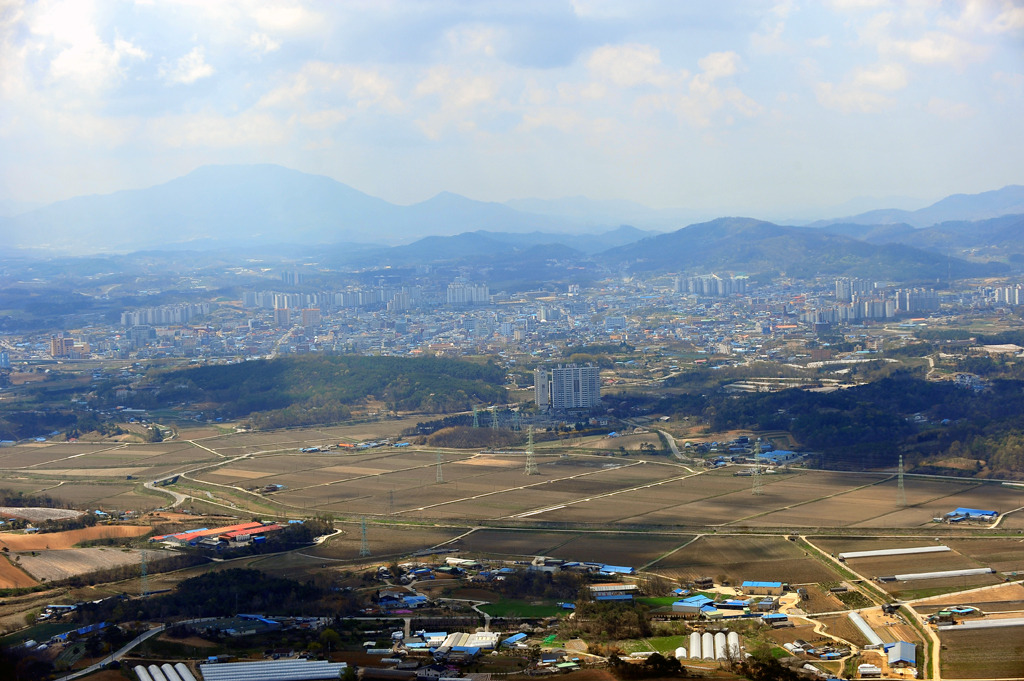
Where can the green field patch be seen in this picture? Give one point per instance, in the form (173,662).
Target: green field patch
(39,632)
(668,644)
(507,608)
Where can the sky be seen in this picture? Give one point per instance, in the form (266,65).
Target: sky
(754,107)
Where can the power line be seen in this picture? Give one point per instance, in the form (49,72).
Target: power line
(531,465)
(901,493)
(364,545)
(440,473)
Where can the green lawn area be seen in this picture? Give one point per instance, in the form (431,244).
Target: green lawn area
(504,608)
(668,644)
(40,632)
(661,644)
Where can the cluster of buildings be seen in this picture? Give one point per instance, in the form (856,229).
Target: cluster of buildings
(242,534)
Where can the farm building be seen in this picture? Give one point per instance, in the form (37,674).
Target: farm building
(901,654)
(869,671)
(984,624)
(514,639)
(971,514)
(613,597)
(865,629)
(612,588)
(877,553)
(763,588)
(691,605)
(272,670)
(938,575)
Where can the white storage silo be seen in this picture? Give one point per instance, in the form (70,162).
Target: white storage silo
(720,646)
(169,672)
(733,645)
(141,672)
(695,646)
(707,646)
(184,672)
(681,653)
(155,673)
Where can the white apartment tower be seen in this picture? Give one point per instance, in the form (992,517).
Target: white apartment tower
(569,386)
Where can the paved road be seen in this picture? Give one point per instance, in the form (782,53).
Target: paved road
(114,656)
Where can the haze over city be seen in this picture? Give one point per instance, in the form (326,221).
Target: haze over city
(772,109)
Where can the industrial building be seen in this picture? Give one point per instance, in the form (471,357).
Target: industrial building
(901,654)
(877,553)
(271,670)
(763,588)
(568,386)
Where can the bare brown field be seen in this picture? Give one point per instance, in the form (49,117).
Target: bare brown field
(85,494)
(1004,555)
(820,600)
(790,634)
(889,628)
(745,558)
(37,514)
(66,540)
(383,540)
(1008,593)
(56,565)
(619,549)
(630,442)
(841,626)
(13,578)
(983,653)
(26,456)
(929,562)
(907,589)
(514,542)
(22,484)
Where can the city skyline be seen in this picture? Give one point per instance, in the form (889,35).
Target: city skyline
(771,108)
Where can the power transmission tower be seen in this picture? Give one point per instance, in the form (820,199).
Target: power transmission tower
(391,502)
(143,581)
(756,477)
(476,417)
(440,473)
(517,423)
(494,418)
(901,493)
(531,465)
(364,545)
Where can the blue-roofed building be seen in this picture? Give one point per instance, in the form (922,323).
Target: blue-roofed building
(613,597)
(901,654)
(514,639)
(618,570)
(972,513)
(734,604)
(773,617)
(691,605)
(763,588)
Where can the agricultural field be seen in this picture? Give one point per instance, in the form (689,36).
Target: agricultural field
(983,653)
(55,565)
(13,578)
(739,558)
(382,540)
(998,598)
(842,627)
(68,539)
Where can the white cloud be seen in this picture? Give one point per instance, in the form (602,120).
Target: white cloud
(187,69)
(630,65)
(83,61)
(881,77)
(473,39)
(363,87)
(281,17)
(262,43)
(719,64)
(849,99)
(821,41)
(945,108)
(935,48)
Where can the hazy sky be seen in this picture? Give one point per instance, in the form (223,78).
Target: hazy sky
(732,107)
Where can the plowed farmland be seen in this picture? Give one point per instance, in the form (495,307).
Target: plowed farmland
(12,578)
(66,540)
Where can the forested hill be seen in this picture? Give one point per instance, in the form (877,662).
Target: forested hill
(310,389)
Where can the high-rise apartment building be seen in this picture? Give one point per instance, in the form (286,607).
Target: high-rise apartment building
(569,386)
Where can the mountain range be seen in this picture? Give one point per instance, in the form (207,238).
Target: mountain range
(260,206)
